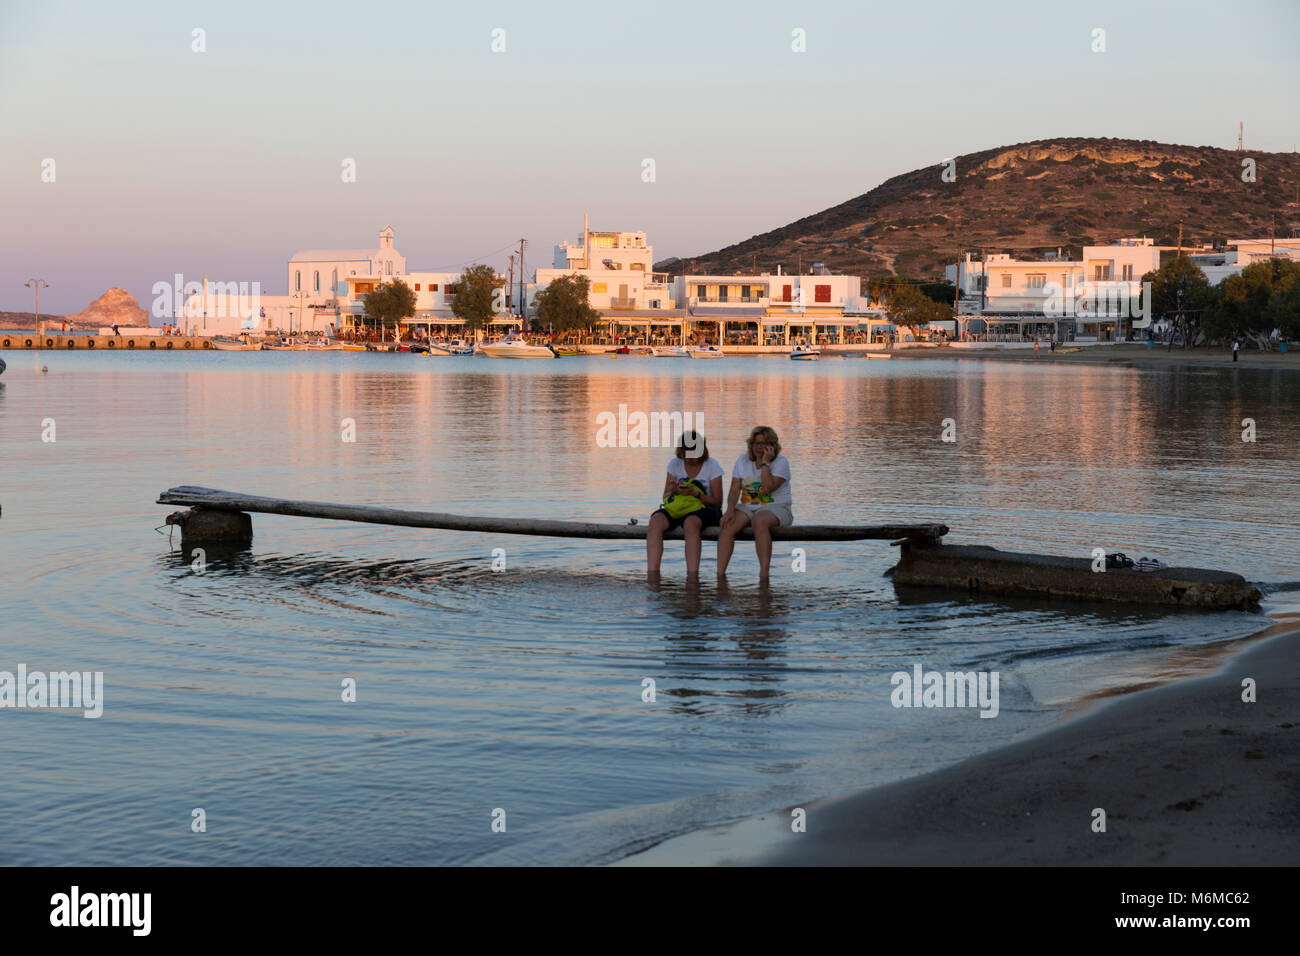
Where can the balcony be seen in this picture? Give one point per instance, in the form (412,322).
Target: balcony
(728,300)
(616,302)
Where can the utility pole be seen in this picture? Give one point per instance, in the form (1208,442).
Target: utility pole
(511,286)
(522,319)
(35,285)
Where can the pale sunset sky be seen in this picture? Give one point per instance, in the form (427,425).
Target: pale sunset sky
(226,162)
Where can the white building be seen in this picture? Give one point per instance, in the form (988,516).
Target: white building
(768,309)
(1239,253)
(322,272)
(619,268)
(1089,296)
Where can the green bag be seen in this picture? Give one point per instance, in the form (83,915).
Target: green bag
(679,506)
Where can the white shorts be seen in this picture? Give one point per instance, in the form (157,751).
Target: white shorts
(783,516)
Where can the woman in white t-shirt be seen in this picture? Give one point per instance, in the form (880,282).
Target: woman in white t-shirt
(759,497)
(694,482)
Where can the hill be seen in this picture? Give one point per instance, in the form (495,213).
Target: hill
(1027,198)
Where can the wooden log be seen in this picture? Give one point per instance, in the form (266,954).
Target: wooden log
(215,500)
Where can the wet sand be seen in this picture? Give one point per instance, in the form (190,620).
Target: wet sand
(1187,774)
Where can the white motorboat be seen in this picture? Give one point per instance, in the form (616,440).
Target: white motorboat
(516,348)
(325,347)
(803,354)
(235,345)
(460,347)
(670,351)
(705,352)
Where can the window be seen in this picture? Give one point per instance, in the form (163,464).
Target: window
(702,291)
(297,281)
(722,293)
(599,287)
(1128,272)
(1037,281)
(1100,273)
(433,287)
(744,292)
(785,293)
(388,268)
(315,281)
(334,282)
(1006,280)
(821,293)
(417,287)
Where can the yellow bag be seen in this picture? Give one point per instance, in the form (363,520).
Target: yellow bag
(679,506)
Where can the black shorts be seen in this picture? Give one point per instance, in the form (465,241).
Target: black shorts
(709,517)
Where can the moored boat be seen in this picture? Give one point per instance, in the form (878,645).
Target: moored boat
(516,348)
(704,352)
(803,354)
(223,344)
(669,351)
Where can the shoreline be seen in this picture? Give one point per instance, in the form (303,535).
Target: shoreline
(1187,773)
(1131,355)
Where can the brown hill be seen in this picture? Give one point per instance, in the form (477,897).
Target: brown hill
(1027,198)
(114,307)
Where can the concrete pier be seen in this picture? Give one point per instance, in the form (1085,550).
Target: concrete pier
(63,342)
(978,569)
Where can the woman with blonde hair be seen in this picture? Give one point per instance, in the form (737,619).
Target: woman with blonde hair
(759,497)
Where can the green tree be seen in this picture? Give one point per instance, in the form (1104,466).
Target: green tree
(1181,293)
(478,297)
(390,303)
(563,305)
(911,307)
(1245,306)
(1283,310)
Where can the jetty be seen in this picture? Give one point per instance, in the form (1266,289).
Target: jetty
(222,519)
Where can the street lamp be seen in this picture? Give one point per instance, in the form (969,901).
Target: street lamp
(36,285)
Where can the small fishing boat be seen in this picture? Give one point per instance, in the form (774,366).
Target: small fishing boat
(803,354)
(705,352)
(460,347)
(325,346)
(567,350)
(223,344)
(513,347)
(352,346)
(669,351)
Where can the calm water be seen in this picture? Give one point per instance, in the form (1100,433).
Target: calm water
(522,690)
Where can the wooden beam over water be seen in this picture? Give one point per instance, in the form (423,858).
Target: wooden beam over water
(212,499)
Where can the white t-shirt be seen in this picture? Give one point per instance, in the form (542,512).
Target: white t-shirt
(751,478)
(708,471)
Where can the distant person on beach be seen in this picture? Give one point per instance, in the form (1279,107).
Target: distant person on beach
(759,497)
(692,501)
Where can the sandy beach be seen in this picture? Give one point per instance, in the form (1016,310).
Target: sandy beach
(1187,774)
(1128,354)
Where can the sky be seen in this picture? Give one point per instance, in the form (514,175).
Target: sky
(224,162)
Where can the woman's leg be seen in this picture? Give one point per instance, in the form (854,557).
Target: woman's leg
(654,542)
(692,526)
(764,522)
(727,538)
